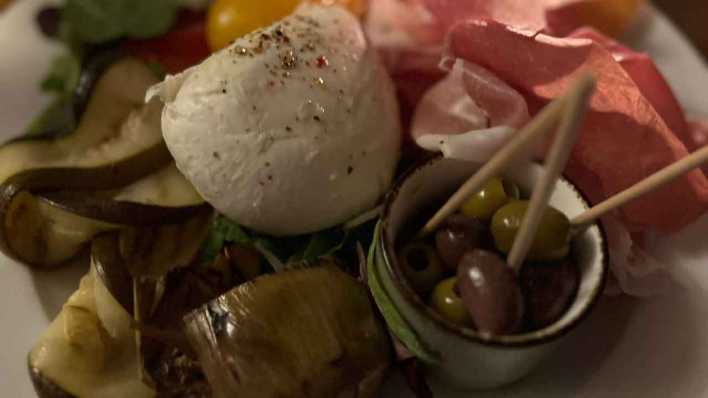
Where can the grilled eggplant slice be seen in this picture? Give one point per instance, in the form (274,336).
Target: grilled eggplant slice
(115,126)
(303,333)
(113,171)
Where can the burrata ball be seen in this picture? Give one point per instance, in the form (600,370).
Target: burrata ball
(290,130)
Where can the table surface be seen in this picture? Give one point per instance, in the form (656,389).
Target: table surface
(691,16)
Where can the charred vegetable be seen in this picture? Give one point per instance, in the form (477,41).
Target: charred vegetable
(308,332)
(89,349)
(114,170)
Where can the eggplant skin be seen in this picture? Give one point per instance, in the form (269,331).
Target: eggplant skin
(123,213)
(44,387)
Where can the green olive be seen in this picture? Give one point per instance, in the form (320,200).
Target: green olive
(448,303)
(494,194)
(422,266)
(552,241)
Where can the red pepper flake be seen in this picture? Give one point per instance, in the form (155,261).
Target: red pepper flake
(322,61)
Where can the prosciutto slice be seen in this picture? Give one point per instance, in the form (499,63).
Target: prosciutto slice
(623,139)
(469,114)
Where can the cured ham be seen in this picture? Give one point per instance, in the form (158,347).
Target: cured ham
(468,114)
(624,138)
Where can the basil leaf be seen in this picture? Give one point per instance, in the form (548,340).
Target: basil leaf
(149,18)
(96,21)
(395,322)
(99,21)
(324,244)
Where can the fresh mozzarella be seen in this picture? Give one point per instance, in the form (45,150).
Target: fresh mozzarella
(292,129)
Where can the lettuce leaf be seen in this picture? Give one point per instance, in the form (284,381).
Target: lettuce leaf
(291,251)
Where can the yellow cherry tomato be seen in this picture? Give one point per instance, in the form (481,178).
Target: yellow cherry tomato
(611,17)
(228,20)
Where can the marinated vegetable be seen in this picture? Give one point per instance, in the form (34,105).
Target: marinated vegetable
(493,195)
(552,240)
(549,290)
(309,332)
(490,293)
(459,235)
(89,349)
(476,288)
(447,302)
(421,265)
(114,170)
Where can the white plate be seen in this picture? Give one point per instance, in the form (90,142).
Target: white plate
(628,347)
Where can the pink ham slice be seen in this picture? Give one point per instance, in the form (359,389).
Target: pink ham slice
(469,114)
(623,140)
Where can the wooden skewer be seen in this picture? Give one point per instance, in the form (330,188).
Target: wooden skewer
(555,164)
(536,128)
(654,181)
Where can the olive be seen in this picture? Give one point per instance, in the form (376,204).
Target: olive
(490,292)
(421,266)
(494,194)
(447,302)
(549,290)
(552,240)
(458,235)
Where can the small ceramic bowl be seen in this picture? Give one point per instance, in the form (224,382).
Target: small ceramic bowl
(460,356)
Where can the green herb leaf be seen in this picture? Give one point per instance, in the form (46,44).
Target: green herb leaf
(223,231)
(99,21)
(95,21)
(394,320)
(324,243)
(58,117)
(63,76)
(149,18)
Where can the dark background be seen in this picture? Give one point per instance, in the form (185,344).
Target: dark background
(692,17)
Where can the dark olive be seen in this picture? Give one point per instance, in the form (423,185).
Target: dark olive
(458,235)
(489,199)
(490,292)
(512,190)
(549,289)
(421,266)
(447,302)
(552,238)
(48,19)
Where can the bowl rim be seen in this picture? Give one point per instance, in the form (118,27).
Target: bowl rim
(528,339)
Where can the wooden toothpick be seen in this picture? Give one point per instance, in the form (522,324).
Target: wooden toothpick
(541,125)
(575,109)
(649,184)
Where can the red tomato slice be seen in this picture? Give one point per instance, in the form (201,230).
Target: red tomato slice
(184,46)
